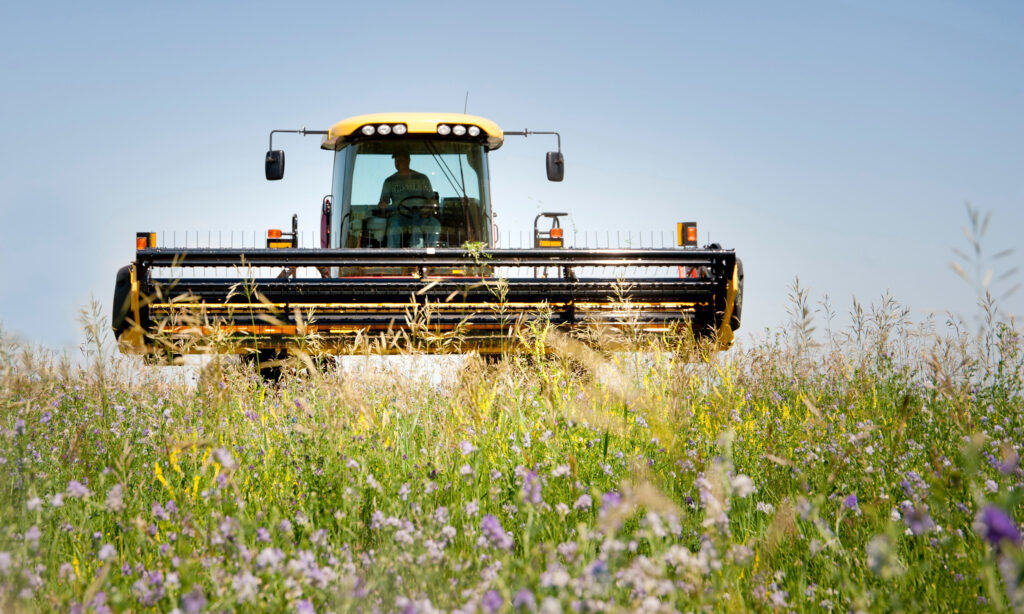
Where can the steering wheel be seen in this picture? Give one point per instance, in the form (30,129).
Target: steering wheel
(410,210)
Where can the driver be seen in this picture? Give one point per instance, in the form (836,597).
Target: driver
(412,189)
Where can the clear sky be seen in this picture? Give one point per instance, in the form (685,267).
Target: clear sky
(837,141)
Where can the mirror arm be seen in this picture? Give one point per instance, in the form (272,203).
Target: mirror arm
(302,131)
(526,133)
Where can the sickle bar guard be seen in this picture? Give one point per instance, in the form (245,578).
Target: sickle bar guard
(479,296)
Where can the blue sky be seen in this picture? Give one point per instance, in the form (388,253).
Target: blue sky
(836,141)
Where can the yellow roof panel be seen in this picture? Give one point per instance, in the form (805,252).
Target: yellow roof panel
(416,123)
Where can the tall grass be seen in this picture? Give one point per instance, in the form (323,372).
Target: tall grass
(871,467)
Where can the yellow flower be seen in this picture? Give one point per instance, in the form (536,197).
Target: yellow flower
(160,478)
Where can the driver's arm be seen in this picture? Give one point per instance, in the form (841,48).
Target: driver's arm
(385,196)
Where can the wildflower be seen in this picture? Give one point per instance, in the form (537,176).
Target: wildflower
(107,552)
(881,557)
(19,427)
(66,572)
(403,491)
(76,488)
(584,502)
(115,498)
(472,508)
(550,605)
(555,576)
(524,599)
(441,515)
(492,530)
(32,536)
(467,448)
(991,486)
(917,518)
(765,507)
(562,509)
(224,458)
(491,601)
(610,500)
(5,562)
(262,535)
(531,488)
(449,532)
(372,482)
(850,503)
(194,601)
(57,500)
(304,606)
(245,585)
(996,526)
(465,470)
(269,557)
(159,512)
(34,504)
(559,471)
(742,486)
(285,526)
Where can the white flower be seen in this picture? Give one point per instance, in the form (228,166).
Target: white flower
(767,508)
(560,471)
(224,458)
(245,585)
(57,500)
(991,486)
(742,486)
(107,552)
(465,470)
(584,502)
(115,498)
(472,508)
(34,504)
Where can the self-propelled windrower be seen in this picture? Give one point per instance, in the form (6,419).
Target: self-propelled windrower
(408,252)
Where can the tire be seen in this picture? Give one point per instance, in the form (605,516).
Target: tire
(121,306)
(737,306)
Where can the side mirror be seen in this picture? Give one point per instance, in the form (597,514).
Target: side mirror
(275,165)
(555,165)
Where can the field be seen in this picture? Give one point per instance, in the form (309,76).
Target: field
(870,468)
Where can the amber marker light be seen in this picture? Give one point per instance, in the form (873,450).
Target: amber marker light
(274,233)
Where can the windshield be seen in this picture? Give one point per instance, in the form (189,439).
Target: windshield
(412,193)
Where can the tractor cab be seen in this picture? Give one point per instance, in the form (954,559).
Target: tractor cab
(425,192)
(410,180)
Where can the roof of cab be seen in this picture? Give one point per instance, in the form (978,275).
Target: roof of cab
(416,123)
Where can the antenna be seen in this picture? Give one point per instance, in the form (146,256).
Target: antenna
(466,104)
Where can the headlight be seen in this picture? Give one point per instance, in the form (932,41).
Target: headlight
(383,129)
(474,131)
(459,130)
(399,129)
(444,130)
(368,130)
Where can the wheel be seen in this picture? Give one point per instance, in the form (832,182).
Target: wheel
(269,363)
(737,305)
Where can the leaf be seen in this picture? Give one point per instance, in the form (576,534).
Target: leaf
(1003,254)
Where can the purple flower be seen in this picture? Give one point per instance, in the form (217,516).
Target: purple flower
(996,526)
(492,530)
(262,535)
(917,519)
(305,606)
(584,502)
(524,599)
(77,489)
(194,601)
(609,500)
(531,488)
(491,601)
